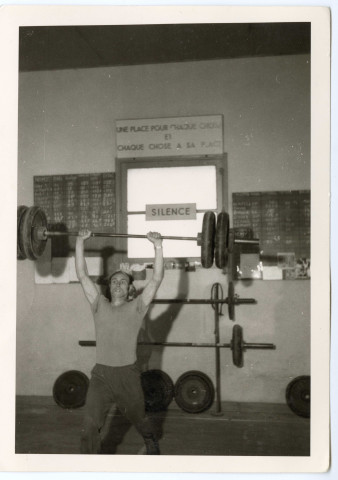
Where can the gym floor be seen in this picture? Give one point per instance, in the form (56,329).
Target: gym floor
(244,429)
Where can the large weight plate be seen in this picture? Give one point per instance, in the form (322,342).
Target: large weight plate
(237,346)
(298,393)
(158,389)
(222,240)
(20,255)
(70,389)
(33,247)
(231,301)
(194,392)
(208,239)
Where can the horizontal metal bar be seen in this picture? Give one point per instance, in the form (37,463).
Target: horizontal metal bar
(188,301)
(187,344)
(254,241)
(242,301)
(48,234)
(92,343)
(202,301)
(113,235)
(258,346)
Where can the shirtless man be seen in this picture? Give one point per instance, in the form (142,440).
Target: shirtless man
(116,378)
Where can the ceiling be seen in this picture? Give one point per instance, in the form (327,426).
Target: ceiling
(54,48)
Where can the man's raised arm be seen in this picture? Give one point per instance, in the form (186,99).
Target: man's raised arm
(88,285)
(151,288)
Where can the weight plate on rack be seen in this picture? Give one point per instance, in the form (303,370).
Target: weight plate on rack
(158,389)
(298,395)
(70,389)
(20,255)
(237,346)
(194,392)
(231,301)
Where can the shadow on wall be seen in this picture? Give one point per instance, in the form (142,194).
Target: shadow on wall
(157,330)
(60,250)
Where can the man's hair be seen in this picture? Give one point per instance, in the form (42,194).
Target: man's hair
(129,277)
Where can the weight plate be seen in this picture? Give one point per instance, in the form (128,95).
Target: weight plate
(33,247)
(298,395)
(19,249)
(208,239)
(70,389)
(222,240)
(237,346)
(217,294)
(231,301)
(194,392)
(158,389)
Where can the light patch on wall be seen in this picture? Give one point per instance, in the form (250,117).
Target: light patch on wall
(196,184)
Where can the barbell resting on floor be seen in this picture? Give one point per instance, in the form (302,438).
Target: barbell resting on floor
(237,345)
(33,233)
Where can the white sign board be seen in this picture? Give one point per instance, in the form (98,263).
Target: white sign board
(175,136)
(175,211)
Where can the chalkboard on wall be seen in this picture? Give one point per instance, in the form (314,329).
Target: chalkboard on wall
(72,202)
(281,221)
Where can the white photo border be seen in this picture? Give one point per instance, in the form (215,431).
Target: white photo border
(11,18)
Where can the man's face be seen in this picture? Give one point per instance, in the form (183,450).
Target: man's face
(119,286)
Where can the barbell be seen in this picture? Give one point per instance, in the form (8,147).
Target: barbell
(232,300)
(237,345)
(33,233)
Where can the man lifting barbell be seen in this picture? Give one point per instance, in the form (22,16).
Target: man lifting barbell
(116,378)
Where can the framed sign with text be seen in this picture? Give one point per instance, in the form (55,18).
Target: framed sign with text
(174,136)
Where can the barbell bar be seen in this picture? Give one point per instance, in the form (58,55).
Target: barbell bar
(237,345)
(32,235)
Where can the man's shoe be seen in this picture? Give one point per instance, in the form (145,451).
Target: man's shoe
(152,446)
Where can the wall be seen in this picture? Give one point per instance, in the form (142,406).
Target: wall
(66,125)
